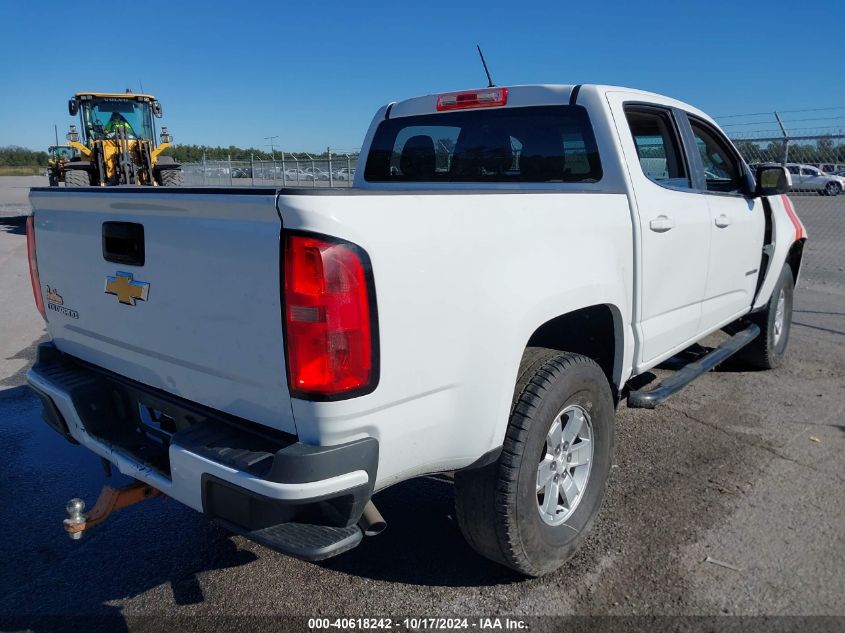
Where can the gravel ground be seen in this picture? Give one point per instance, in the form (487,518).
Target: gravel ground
(742,468)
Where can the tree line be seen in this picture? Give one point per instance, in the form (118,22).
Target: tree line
(824,150)
(13,156)
(196,153)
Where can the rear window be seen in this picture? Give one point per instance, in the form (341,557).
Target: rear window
(534,144)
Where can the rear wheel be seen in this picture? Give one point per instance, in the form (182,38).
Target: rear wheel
(532,508)
(77,178)
(832,189)
(767,351)
(172,177)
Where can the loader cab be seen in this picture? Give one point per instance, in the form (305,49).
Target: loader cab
(100,114)
(60,152)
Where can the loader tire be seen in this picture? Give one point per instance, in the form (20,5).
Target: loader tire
(77,178)
(172,177)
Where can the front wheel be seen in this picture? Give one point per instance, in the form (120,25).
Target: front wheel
(172,177)
(768,350)
(832,189)
(532,508)
(77,178)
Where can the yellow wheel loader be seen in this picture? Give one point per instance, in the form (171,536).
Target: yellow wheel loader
(60,155)
(115,142)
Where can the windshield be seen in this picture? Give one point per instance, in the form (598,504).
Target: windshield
(61,151)
(101,118)
(526,144)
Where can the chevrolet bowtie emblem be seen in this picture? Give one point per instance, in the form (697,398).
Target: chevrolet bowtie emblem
(127,289)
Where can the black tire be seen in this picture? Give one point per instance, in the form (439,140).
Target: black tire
(172,177)
(768,350)
(497,505)
(52,178)
(77,178)
(832,189)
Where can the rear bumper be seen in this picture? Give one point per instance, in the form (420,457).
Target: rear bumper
(252,478)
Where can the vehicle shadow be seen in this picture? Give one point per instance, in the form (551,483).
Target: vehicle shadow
(90,579)
(46,577)
(16,225)
(422,544)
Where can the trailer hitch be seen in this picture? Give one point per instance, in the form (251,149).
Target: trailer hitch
(110,500)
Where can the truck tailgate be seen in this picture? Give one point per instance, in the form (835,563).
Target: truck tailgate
(199,318)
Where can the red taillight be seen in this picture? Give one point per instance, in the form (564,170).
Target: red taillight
(329,313)
(33,265)
(472,99)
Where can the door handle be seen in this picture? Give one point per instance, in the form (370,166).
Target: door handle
(722,221)
(661,224)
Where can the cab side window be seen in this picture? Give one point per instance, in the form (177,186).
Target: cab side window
(658,146)
(722,171)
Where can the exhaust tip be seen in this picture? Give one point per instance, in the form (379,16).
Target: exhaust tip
(371,521)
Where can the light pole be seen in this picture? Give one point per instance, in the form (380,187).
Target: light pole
(271,145)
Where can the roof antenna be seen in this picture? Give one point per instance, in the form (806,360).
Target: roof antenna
(490,83)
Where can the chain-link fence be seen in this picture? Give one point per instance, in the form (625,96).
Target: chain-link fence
(333,171)
(811,144)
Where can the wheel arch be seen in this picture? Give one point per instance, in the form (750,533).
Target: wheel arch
(794,258)
(595,331)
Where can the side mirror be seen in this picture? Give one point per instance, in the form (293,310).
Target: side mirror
(72,107)
(157,109)
(772,180)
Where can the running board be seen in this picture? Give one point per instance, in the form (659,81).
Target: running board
(681,378)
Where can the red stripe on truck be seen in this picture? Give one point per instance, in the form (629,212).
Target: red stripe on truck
(790,211)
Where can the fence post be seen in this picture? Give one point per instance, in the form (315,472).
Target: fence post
(284,172)
(348,171)
(785,140)
(252,168)
(331,176)
(204,170)
(231,183)
(296,160)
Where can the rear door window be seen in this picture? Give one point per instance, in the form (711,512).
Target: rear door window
(526,144)
(658,147)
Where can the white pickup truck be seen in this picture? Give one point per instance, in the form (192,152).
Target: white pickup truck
(507,260)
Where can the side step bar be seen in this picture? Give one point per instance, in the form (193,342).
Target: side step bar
(680,379)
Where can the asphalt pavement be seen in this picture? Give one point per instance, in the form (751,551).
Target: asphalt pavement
(727,500)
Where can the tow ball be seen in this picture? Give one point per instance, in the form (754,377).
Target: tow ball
(110,500)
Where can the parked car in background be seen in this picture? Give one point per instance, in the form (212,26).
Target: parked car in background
(316,173)
(298,174)
(343,174)
(810,178)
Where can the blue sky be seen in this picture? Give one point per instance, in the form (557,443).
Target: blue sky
(314,72)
